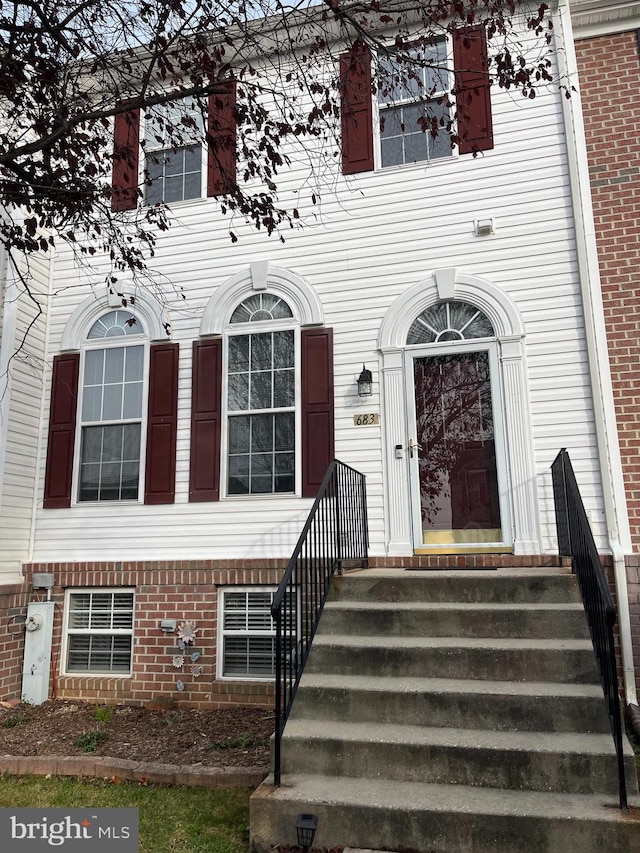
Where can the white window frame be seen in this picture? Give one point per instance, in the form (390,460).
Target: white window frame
(156,150)
(67,631)
(107,343)
(256,328)
(378,110)
(222,633)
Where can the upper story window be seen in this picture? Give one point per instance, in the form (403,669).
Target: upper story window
(449,321)
(175,168)
(413,101)
(413,105)
(261,399)
(111,409)
(175,173)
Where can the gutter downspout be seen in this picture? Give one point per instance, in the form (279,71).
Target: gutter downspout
(618,532)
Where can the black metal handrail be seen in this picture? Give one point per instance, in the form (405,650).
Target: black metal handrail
(334,536)
(575,540)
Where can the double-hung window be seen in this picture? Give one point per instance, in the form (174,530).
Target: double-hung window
(173,152)
(111,411)
(247,637)
(413,105)
(98,632)
(261,398)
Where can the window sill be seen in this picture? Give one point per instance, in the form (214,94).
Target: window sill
(186,202)
(240,679)
(262,497)
(420,164)
(100,675)
(103,504)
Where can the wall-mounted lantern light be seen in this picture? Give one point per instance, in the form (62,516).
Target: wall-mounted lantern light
(306,825)
(365,382)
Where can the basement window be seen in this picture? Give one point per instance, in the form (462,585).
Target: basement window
(247,640)
(98,632)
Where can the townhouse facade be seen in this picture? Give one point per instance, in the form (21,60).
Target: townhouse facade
(178,443)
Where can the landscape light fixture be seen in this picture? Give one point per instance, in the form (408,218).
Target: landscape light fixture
(365,382)
(306,825)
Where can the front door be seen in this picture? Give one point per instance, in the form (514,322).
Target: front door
(456,451)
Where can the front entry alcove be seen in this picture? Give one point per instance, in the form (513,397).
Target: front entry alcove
(458,445)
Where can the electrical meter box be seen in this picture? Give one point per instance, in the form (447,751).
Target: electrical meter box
(37,652)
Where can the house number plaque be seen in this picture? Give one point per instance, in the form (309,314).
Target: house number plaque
(366,420)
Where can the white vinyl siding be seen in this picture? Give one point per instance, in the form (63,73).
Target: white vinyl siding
(373,237)
(22,353)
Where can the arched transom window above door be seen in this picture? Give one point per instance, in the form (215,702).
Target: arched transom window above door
(449,321)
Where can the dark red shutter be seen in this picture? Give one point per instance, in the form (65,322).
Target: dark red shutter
(162,424)
(317,407)
(126,142)
(206,401)
(62,431)
(473,96)
(356,110)
(222,132)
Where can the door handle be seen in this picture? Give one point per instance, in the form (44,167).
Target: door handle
(413,445)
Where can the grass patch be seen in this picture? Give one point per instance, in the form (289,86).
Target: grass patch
(90,741)
(172,820)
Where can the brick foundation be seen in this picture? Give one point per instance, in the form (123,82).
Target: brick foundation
(189,590)
(163,590)
(13,609)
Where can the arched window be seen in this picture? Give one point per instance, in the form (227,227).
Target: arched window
(262,389)
(114,409)
(112,392)
(261,397)
(262,306)
(449,321)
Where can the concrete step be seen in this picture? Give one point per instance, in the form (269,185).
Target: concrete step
(473,587)
(451,619)
(462,703)
(534,761)
(382,814)
(569,661)
(451,712)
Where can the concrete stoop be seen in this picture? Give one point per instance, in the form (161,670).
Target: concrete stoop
(451,712)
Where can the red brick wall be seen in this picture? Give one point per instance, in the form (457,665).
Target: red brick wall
(13,609)
(163,590)
(609,69)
